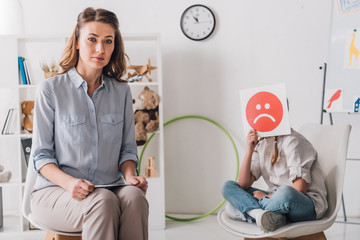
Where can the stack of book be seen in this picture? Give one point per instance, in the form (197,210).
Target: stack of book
(9,124)
(1,210)
(24,75)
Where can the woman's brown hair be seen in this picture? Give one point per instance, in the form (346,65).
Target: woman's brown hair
(117,64)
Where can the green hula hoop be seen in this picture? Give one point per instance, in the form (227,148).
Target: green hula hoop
(232,142)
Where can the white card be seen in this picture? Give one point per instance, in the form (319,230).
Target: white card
(265,110)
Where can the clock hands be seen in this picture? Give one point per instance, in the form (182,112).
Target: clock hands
(196,19)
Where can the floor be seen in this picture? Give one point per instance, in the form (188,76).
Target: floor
(208,228)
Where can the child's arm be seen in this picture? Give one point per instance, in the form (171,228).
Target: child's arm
(300,185)
(246,179)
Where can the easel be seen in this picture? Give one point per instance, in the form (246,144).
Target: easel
(332,123)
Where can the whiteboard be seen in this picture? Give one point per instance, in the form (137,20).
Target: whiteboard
(343,72)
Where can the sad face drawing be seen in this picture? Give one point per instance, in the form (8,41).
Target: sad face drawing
(264,111)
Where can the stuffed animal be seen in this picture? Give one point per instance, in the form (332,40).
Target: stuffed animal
(4,175)
(28,110)
(146,115)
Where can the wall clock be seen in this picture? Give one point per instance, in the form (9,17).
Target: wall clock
(197,22)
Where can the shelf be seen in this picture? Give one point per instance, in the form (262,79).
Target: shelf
(11,224)
(12,183)
(16,135)
(31,86)
(25,135)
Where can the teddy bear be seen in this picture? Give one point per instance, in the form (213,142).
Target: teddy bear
(4,175)
(146,115)
(28,110)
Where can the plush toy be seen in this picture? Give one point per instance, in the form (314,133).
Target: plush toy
(146,115)
(4,175)
(28,110)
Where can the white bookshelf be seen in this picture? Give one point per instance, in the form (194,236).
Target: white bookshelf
(37,49)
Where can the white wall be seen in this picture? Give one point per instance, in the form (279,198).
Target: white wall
(255,43)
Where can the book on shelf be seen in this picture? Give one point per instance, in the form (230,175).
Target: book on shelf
(25,156)
(6,121)
(9,124)
(26,145)
(24,71)
(27,73)
(1,210)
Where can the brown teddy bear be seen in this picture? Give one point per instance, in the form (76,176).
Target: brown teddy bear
(28,110)
(146,115)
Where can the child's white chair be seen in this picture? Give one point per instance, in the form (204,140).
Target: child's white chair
(51,233)
(331,143)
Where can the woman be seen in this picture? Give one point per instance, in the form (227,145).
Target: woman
(84,138)
(289,166)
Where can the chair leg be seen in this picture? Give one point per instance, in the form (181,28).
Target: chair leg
(49,236)
(265,238)
(54,236)
(315,236)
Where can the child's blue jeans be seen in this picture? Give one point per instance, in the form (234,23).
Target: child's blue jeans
(295,205)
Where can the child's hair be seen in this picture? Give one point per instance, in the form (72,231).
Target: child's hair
(275,150)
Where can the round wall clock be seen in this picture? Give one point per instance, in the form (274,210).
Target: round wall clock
(197,22)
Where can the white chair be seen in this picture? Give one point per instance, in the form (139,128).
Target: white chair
(51,233)
(331,143)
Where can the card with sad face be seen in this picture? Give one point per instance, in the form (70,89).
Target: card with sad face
(265,110)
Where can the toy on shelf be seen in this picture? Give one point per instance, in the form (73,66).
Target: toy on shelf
(140,71)
(4,175)
(27,108)
(150,170)
(146,115)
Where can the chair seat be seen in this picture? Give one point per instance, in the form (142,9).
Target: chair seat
(251,230)
(47,229)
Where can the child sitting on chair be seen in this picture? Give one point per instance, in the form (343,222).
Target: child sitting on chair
(289,167)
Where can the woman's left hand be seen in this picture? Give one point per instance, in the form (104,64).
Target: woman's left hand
(138,181)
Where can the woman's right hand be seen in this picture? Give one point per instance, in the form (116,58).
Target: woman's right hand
(80,188)
(251,140)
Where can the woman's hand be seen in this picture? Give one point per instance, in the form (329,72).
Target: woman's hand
(138,181)
(251,140)
(80,188)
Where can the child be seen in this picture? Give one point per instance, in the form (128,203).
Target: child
(289,167)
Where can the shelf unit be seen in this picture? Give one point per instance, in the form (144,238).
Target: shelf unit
(38,49)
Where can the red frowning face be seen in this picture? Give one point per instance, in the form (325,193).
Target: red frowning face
(264,111)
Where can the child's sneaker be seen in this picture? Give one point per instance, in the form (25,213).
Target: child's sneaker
(269,221)
(235,214)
